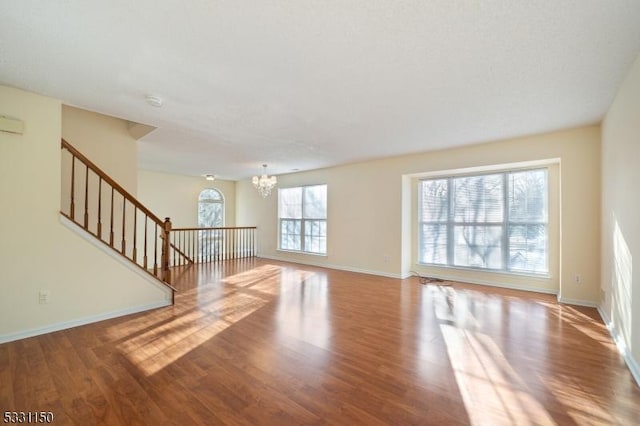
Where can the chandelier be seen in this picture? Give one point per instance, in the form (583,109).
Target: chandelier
(264,184)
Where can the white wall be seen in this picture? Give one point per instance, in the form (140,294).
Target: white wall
(106,141)
(367,210)
(620,299)
(176,196)
(36,250)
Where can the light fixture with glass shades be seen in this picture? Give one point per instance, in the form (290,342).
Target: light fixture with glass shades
(264,184)
(210,177)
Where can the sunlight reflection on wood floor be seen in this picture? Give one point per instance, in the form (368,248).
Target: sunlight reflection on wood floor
(255,341)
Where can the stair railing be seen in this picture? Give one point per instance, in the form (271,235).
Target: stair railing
(113,215)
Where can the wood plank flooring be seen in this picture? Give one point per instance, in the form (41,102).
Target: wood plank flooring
(263,342)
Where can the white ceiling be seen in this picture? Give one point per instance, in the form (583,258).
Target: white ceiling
(307,84)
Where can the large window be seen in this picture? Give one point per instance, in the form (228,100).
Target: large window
(302,214)
(496,221)
(210,209)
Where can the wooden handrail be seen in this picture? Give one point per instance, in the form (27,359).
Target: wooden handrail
(106,178)
(212,229)
(128,228)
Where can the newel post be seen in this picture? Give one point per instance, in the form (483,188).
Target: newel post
(166,231)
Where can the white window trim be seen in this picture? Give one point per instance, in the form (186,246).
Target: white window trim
(222,201)
(302,220)
(480,171)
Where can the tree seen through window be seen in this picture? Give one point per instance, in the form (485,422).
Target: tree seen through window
(210,209)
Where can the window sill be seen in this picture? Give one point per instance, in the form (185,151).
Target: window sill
(302,252)
(542,276)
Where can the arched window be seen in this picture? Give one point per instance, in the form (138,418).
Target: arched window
(210,209)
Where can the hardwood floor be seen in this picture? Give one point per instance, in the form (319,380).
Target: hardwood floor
(264,342)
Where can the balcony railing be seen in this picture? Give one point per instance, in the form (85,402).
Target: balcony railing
(202,245)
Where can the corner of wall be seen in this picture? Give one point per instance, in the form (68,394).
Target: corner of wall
(620,230)
(632,363)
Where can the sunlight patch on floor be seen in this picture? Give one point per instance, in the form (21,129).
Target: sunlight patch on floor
(583,407)
(491,389)
(252,276)
(583,323)
(151,347)
(303,309)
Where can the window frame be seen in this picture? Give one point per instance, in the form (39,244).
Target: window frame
(303,222)
(505,224)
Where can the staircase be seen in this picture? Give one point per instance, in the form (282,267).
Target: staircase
(95,202)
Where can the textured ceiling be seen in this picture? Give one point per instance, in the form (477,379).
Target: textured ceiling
(308,84)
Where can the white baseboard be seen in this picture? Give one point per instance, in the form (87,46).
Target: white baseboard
(493,284)
(632,364)
(604,316)
(81,321)
(407,275)
(49,328)
(331,266)
(577,302)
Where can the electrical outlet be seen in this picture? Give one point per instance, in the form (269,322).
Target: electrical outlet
(385,258)
(577,278)
(44,296)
